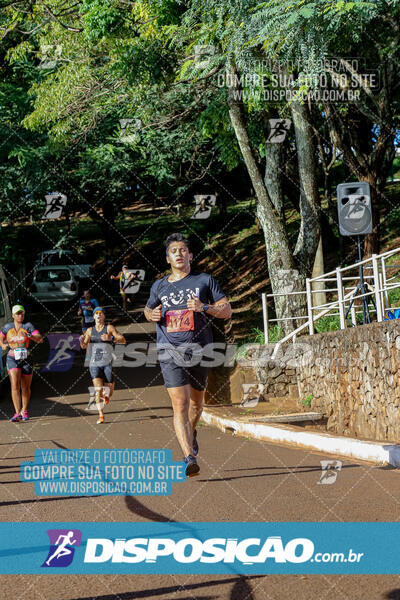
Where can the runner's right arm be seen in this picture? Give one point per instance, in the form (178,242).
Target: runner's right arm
(153,308)
(3,340)
(153,314)
(85,341)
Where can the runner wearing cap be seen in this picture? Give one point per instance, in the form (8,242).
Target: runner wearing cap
(125,278)
(16,337)
(101,336)
(180,304)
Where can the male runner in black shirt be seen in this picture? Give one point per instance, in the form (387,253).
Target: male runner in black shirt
(180,304)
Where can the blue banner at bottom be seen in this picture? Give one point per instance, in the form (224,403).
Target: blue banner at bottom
(199,548)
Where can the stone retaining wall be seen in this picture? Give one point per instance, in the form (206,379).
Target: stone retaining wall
(353,376)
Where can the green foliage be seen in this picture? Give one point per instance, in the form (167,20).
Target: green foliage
(306,402)
(101,18)
(256,336)
(394,297)
(329,323)
(137,60)
(275,333)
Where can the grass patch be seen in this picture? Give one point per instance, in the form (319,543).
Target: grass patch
(275,333)
(394,297)
(328,323)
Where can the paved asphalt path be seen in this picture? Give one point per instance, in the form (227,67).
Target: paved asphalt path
(240,480)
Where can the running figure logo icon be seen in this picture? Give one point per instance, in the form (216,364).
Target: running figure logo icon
(252,394)
(55,205)
(63,347)
(278,130)
(204,205)
(330,470)
(61,552)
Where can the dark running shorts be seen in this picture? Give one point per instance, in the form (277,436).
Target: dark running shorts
(104,373)
(177,376)
(24,365)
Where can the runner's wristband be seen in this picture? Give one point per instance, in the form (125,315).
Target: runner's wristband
(205,307)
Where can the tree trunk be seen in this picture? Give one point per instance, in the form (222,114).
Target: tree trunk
(283,273)
(273,176)
(309,234)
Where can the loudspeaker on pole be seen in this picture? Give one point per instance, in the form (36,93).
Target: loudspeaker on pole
(354,208)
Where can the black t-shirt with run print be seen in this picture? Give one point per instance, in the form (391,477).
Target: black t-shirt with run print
(179,325)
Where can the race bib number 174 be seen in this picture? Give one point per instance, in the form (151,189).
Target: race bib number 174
(180,320)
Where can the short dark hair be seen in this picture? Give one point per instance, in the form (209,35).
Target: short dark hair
(176,237)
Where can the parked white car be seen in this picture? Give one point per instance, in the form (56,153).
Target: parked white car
(64,258)
(54,284)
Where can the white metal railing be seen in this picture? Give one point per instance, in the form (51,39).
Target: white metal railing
(379,275)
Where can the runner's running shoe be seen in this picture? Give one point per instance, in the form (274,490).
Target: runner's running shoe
(195,444)
(25,416)
(100,420)
(17,417)
(192,468)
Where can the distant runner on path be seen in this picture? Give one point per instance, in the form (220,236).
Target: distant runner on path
(180,304)
(86,307)
(125,279)
(101,336)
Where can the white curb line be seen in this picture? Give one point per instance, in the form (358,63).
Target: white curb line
(376,452)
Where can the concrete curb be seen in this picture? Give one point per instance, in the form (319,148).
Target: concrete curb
(375,452)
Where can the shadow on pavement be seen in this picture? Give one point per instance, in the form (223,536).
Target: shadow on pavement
(278,471)
(143,511)
(34,500)
(241,590)
(306,468)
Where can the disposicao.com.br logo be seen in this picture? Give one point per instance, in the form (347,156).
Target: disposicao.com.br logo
(247,551)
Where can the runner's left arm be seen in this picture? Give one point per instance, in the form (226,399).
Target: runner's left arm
(221,309)
(118,337)
(34,334)
(218,304)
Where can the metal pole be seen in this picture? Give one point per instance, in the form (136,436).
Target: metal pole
(309,307)
(353,315)
(366,318)
(265,317)
(384,281)
(382,295)
(375,270)
(340,299)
